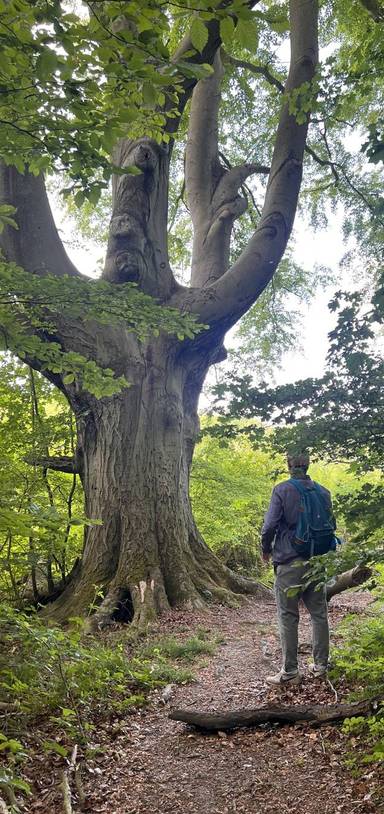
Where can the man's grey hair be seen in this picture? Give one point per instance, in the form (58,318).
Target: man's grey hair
(298,460)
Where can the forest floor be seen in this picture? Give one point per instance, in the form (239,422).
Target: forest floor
(148,764)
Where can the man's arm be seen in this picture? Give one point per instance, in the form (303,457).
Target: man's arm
(271,522)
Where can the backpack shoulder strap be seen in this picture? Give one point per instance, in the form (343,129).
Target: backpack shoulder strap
(298,485)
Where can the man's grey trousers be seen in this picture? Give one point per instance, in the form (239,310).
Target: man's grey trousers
(287,576)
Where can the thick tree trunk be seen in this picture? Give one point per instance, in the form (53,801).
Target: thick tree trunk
(135,451)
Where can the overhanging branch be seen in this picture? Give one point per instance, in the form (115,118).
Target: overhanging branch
(62,463)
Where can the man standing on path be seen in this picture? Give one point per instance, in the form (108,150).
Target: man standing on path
(280,526)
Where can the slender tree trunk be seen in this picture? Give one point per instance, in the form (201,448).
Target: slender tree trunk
(135,455)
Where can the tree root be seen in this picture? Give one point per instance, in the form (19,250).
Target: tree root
(318,713)
(206,580)
(207,585)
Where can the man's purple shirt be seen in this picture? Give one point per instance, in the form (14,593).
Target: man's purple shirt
(281,520)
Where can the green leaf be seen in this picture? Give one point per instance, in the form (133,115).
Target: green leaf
(199,34)
(130,169)
(18,783)
(280,25)
(128,114)
(67,713)
(199,71)
(248,35)
(149,94)
(53,746)
(46,64)
(18,162)
(13,745)
(93,195)
(79,198)
(227,30)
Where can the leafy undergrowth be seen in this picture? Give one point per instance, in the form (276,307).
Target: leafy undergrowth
(65,683)
(360,662)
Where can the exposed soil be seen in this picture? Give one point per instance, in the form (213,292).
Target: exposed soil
(151,765)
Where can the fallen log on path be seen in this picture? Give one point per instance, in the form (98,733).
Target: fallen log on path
(233,719)
(348,579)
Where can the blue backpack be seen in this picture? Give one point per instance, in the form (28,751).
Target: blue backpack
(315,533)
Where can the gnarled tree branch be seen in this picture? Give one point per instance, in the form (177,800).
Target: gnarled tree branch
(319,713)
(348,579)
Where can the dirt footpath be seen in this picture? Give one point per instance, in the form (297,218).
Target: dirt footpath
(151,765)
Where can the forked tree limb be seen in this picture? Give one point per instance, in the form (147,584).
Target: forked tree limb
(212,189)
(227,299)
(317,713)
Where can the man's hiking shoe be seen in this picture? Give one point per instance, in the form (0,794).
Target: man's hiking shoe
(319,670)
(283,678)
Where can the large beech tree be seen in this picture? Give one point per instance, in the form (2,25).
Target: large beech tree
(134,448)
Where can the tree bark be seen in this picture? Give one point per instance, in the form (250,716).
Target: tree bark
(318,713)
(349,579)
(35,245)
(136,452)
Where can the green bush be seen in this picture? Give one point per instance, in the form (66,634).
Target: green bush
(73,679)
(64,672)
(360,659)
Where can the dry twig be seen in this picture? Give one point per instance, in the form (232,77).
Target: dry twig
(67,796)
(333,689)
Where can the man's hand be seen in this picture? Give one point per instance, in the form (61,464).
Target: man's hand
(266,557)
